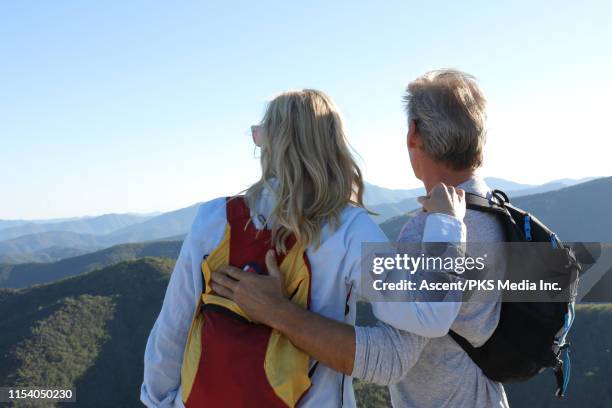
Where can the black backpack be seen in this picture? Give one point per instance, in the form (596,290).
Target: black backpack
(530,336)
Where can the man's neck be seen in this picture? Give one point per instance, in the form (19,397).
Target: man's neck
(443,175)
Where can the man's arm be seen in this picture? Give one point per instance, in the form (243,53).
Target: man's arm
(426,313)
(381,354)
(384,354)
(333,342)
(262,298)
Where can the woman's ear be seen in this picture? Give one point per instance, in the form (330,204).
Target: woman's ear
(257,133)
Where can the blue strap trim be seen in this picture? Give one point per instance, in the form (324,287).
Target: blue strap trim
(527,227)
(554,240)
(567,369)
(567,364)
(569,320)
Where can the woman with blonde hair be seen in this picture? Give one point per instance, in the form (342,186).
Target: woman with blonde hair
(307,208)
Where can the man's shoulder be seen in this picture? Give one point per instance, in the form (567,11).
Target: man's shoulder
(483,227)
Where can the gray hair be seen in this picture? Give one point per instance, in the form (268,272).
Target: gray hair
(448,108)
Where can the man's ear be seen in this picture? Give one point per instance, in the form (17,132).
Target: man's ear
(413,139)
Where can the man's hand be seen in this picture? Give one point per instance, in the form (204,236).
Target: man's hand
(259,296)
(263,299)
(444,199)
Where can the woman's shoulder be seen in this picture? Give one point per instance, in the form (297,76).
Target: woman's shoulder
(353,213)
(356,225)
(211,208)
(209,214)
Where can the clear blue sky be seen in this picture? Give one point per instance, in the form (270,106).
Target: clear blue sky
(118,106)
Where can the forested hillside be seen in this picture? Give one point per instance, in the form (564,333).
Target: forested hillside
(89,332)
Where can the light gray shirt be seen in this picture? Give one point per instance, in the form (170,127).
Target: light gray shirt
(435,372)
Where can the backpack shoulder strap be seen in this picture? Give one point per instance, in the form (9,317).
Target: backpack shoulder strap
(471,351)
(495,204)
(237,210)
(244,232)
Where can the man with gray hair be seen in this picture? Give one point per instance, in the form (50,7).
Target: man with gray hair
(446,135)
(446,113)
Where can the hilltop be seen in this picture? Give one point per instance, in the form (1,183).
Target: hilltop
(86,332)
(576,213)
(22,275)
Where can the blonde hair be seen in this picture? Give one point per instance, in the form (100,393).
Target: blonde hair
(305,150)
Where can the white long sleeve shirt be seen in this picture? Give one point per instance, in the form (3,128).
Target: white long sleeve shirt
(335,269)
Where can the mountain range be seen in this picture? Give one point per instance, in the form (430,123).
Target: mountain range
(50,240)
(577,213)
(391,203)
(83,321)
(99,225)
(36,247)
(28,274)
